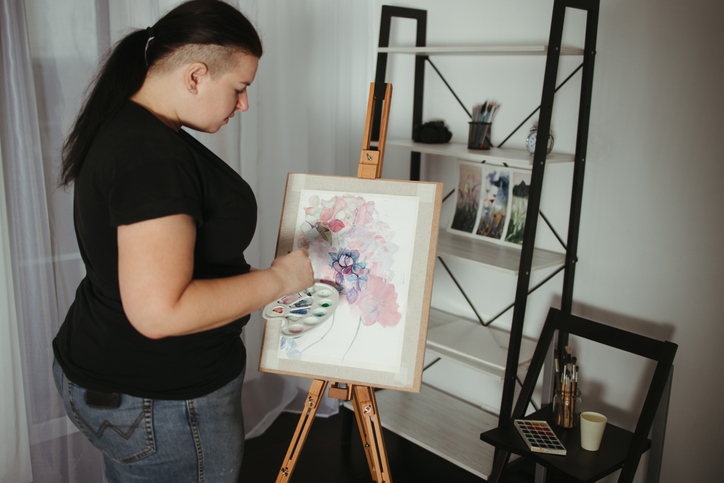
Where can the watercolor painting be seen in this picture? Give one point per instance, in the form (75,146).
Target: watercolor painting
(494,203)
(518,207)
(363,245)
(468,197)
(354,249)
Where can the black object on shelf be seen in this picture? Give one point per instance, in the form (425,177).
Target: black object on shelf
(432,132)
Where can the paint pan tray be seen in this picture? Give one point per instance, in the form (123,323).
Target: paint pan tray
(303,311)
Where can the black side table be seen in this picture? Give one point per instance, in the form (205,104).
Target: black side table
(578,465)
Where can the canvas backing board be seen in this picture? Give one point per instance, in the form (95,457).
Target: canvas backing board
(375,240)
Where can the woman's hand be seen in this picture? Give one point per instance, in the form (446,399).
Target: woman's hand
(295,271)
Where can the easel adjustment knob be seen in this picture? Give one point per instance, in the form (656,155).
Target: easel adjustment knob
(285,471)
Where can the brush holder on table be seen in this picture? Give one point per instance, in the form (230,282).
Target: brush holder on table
(566,408)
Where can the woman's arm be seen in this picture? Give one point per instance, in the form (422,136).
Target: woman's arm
(160,298)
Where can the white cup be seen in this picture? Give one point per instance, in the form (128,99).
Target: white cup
(592,426)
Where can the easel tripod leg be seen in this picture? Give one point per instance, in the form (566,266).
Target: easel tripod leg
(364,433)
(365,407)
(311,405)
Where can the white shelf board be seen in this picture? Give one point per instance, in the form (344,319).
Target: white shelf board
(479,50)
(442,424)
(493,255)
(515,158)
(467,342)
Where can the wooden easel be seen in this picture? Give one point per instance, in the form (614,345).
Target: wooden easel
(362,397)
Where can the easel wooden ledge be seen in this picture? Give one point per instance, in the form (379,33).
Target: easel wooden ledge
(363,397)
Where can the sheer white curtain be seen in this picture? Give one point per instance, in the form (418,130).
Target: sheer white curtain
(29,235)
(14,444)
(307,115)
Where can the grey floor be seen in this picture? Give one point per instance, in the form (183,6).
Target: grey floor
(324,459)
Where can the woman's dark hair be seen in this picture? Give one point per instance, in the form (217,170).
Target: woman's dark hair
(197,22)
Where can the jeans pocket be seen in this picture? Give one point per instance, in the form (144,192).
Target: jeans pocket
(124,433)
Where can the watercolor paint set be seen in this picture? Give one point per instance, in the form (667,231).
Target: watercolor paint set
(539,437)
(304,311)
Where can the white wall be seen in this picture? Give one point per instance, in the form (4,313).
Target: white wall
(651,227)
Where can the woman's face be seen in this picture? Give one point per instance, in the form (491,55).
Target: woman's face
(218,99)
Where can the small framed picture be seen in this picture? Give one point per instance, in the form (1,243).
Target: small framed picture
(491,203)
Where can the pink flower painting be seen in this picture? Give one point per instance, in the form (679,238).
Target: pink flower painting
(351,248)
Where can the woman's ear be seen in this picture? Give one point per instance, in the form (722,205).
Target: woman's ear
(195,73)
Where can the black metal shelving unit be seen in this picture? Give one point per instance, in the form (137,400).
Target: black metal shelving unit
(553,53)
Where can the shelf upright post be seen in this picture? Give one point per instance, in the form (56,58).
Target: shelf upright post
(531,220)
(584,115)
(385,23)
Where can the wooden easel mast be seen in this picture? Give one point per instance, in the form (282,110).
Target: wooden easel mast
(370,163)
(363,397)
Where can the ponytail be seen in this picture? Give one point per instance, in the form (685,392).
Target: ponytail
(120,77)
(196,22)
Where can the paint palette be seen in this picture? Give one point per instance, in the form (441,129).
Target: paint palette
(539,437)
(303,311)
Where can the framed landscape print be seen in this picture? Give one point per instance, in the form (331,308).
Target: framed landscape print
(373,243)
(491,203)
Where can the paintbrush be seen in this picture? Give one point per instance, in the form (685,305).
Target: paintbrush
(556,363)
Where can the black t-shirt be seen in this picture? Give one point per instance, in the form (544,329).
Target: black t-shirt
(139,169)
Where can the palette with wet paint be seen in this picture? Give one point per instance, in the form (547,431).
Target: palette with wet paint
(539,437)
(303,311)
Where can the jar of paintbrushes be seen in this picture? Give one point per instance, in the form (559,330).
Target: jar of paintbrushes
(567,397)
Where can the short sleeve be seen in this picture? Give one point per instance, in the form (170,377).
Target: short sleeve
(153,180)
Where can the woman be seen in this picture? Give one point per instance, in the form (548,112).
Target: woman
(149,360)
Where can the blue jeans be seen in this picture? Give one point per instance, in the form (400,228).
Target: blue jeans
(153,440)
